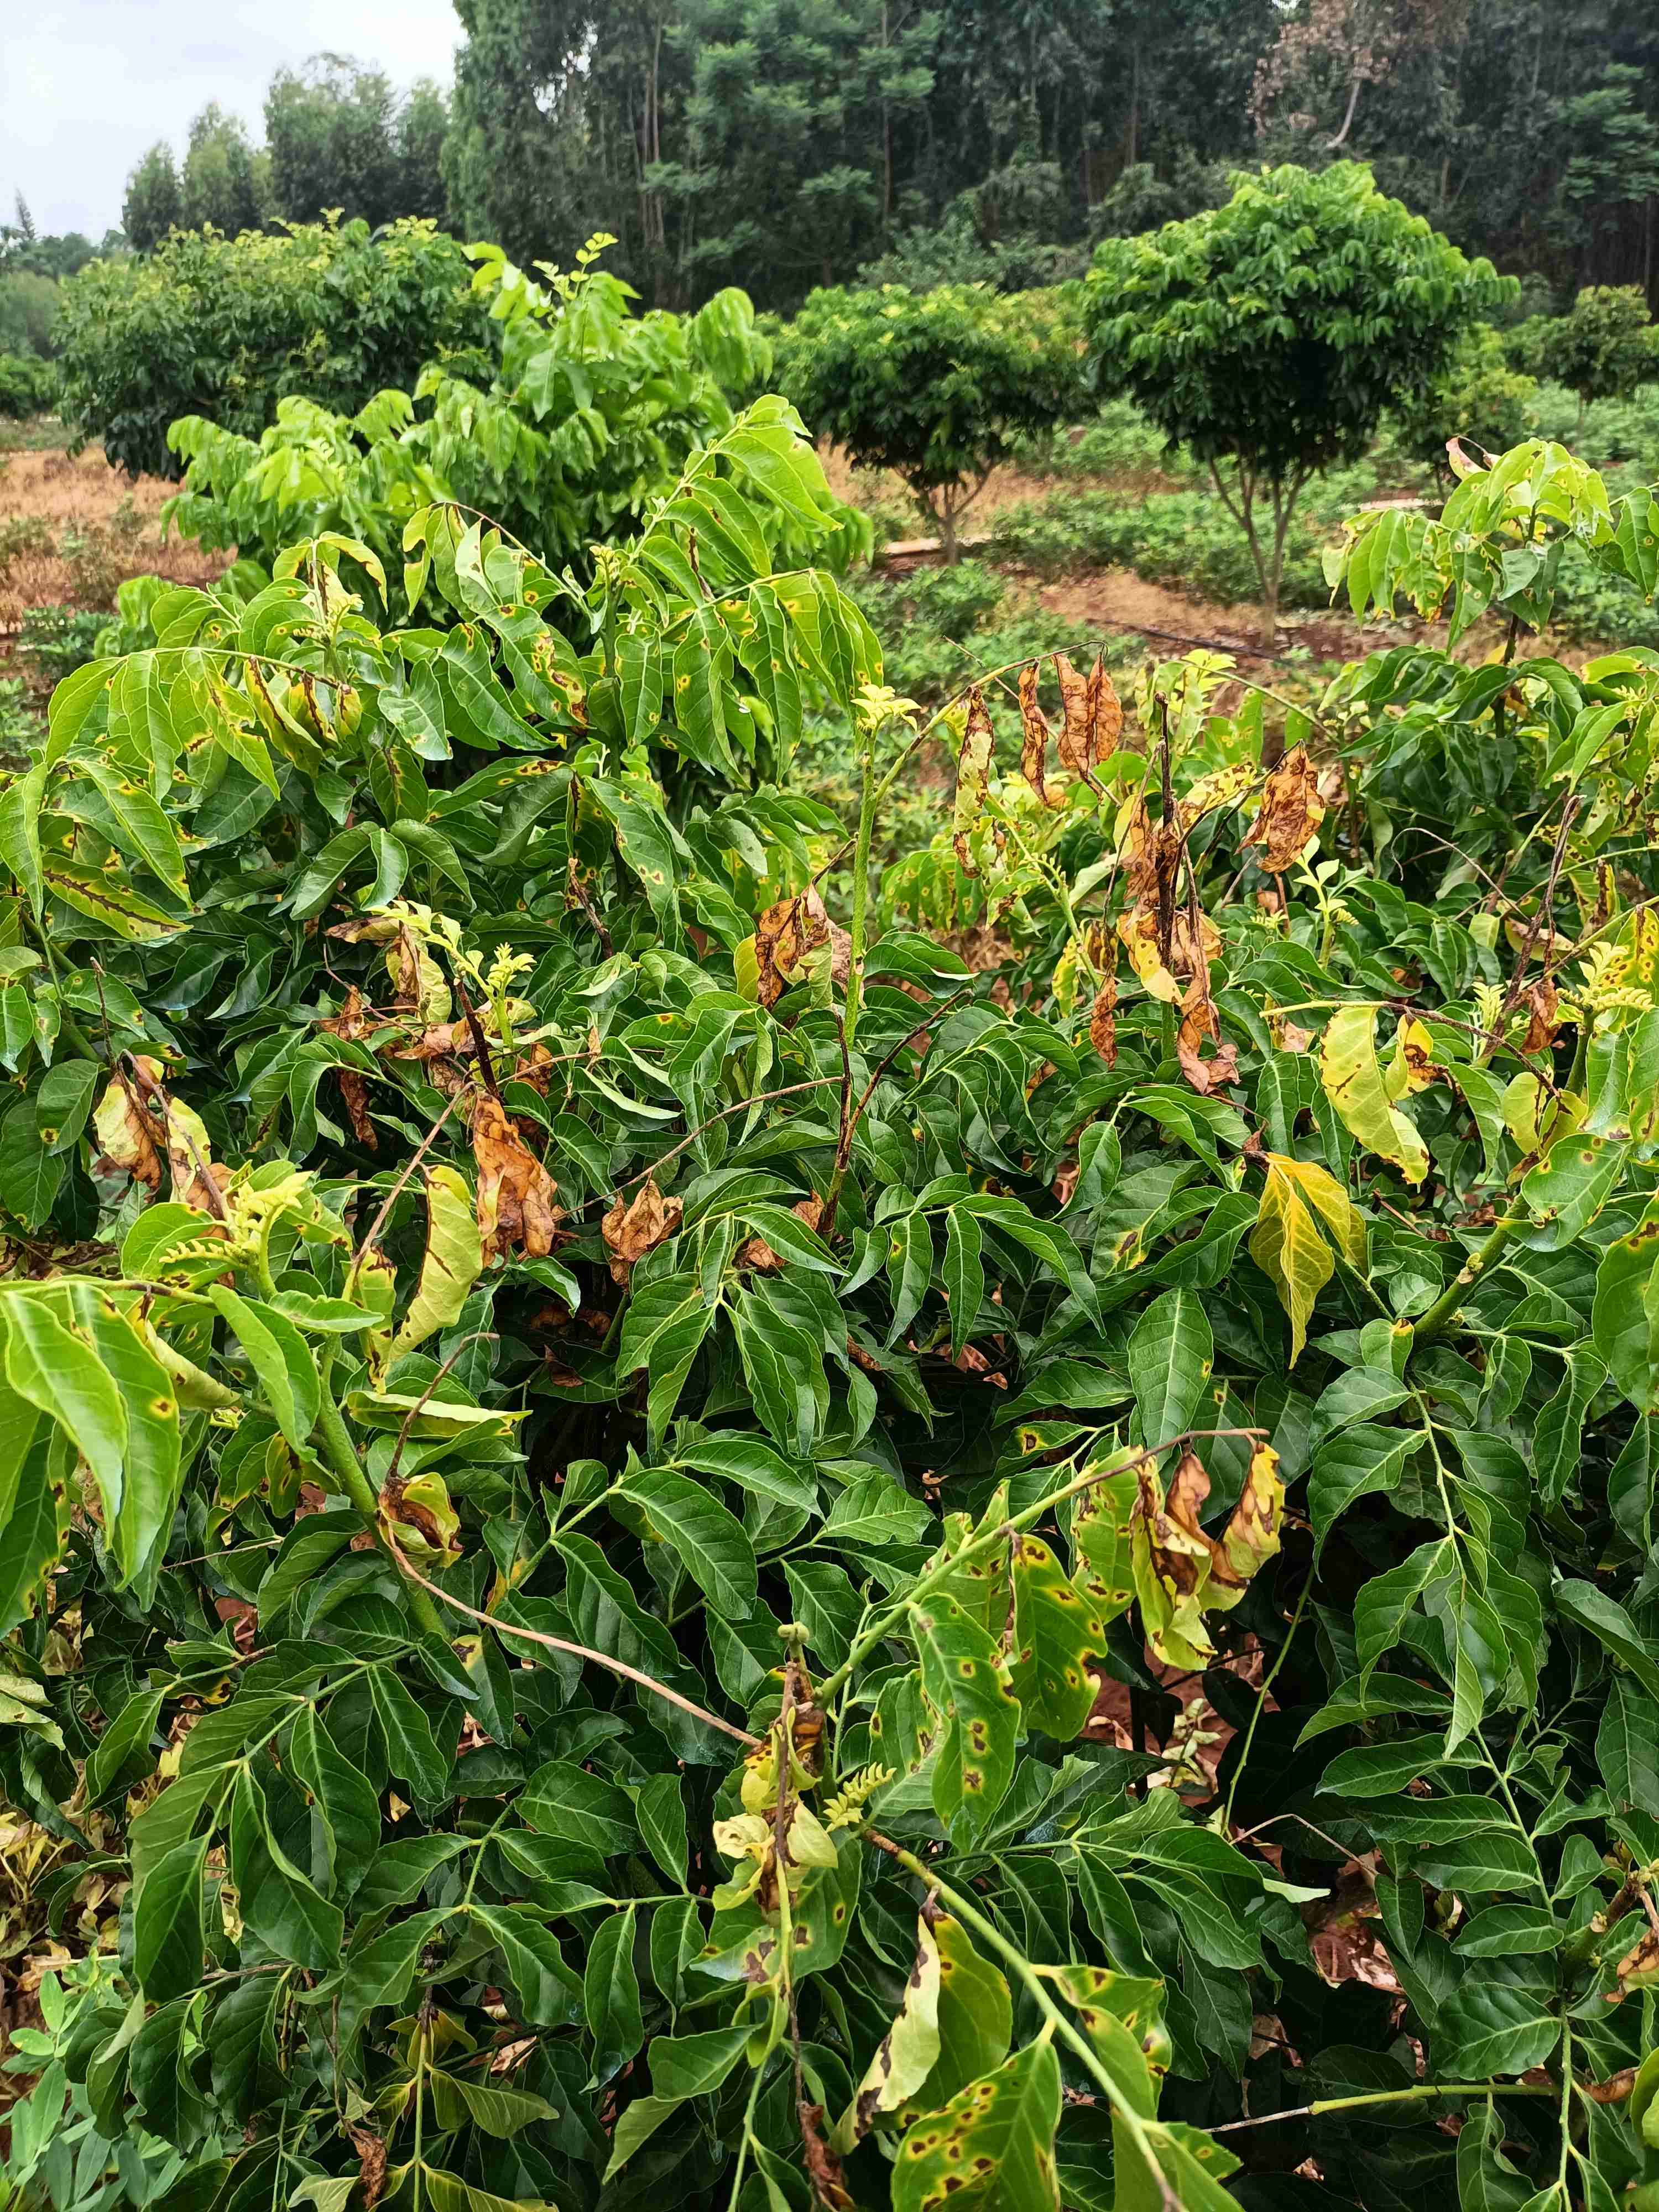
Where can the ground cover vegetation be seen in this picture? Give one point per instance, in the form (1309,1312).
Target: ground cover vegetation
(661,1540)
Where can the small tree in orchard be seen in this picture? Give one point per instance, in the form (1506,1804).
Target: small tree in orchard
(938,387)
(1270,335)
(1605,348)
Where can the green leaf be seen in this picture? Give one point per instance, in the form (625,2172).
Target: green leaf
(1605,1620)
(610,1997)
(694,2065)
(665,1324)
(1486,2028)
(345,1798)
(755,1465)
(974,2013)
(62,1103)
(152,1469)
(277,1902)
(57,1369)
(635,2127)
(661,1811)
(122,1754)
(167,1925)
(564,1799)
(1358,1462)
(1626,1318)
(1172,1354)
(549,1994)
(992,2145)
(710,1541)
(964,1274)
(280,1358)
(411,1748)
(909,1269)
(30,1535)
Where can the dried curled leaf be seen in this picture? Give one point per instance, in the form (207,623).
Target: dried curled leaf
(1034,738)
(787,936)
(632,1230)
(1541,1003)
(128,1136)
(1291,811)
(515,1192)
(973,777)
(351,1025)
(1102,1022)
(1200,1021)
(417,1515)
(1094,716)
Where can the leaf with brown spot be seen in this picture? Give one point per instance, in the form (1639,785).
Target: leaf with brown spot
(631,1230)
(907,2052)
(991,2147)
(351,1025)
(973,777)
(515,1204)
(128,1134)
(1291,811)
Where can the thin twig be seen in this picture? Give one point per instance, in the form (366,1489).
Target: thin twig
(578,1651)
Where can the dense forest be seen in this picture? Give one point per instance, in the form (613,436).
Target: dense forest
(784,143)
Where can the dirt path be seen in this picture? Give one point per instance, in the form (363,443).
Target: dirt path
(71,531)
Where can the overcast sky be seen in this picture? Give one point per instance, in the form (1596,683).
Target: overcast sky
(86,85)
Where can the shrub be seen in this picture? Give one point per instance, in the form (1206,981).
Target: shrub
(938,387)
(1604,348)
(592,417)
(28,385)
(1270,335)
(227,327)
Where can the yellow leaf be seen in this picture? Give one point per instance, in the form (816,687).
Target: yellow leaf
(1353,1084)
(1289,1250)
(1328,1197)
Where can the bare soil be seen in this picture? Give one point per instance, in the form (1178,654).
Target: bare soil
(102,527)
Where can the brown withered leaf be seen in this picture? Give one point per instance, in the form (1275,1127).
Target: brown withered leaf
(515,1192)
(130,1131)
(1250,1538)
(786,935)
(351,1025)
(1074,748)
(371,2165)
(1540,1000)
(1138,844)
(632,1230)
(1287,1035)
(1105,712)
(1291,811)
(1102,1022)
(1193,946)
(973,777)
(1639,1968)
(1034,741)
(755,1252)
(823,2169)
(1199,1021)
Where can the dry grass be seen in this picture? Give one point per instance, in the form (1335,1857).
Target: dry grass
(101,526)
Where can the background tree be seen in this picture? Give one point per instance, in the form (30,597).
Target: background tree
(1269,335)
(795,110)
(154,204)
(1604,348)
(224,182)
(330,132)
(935,385)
